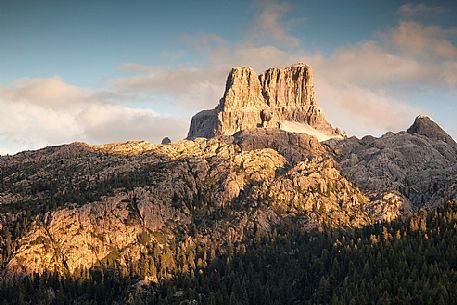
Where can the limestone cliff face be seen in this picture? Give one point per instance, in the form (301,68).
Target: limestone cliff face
(250,101)
(289,92)
(239,108)
(290,87)
(242,90)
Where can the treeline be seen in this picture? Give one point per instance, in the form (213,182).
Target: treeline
(46,194)
(412,262)
(43,185)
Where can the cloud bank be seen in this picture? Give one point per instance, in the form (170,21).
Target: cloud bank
(40,112)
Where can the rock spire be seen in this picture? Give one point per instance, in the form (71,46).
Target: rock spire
(276,96)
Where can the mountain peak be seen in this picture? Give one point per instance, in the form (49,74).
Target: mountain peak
(424,117)
(301,64)
(268,100)
(424,125)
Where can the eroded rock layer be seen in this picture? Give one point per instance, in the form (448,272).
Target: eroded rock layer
(250,101)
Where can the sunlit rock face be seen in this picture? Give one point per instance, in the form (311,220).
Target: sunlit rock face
(250,101)
(128,194)
(289,93)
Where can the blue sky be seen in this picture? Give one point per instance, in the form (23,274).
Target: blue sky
(103,71)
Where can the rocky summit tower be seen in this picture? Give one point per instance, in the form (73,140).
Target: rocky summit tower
(278,98)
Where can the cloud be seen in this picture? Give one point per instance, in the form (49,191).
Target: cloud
(41,112)
(163,80)
(198,87)
(361,110)
(105,123)
(269,26)
(449,73)
(29,125)
(418,40)
(411,9)
(50,92)
(366,63)
(3,151)
(192,88)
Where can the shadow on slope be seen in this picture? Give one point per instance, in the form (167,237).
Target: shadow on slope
(389,263)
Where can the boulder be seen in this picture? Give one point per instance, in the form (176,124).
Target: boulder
(166,141)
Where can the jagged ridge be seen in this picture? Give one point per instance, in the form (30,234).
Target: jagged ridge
(117,194)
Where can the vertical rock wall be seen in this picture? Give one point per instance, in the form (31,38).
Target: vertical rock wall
(250,101)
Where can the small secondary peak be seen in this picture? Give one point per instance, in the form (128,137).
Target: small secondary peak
(424,125)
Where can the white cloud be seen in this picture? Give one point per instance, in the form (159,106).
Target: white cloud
(160,80)
(367,63)
(4,151)
(193,88)
(361,110)
(418,40)
(50,92)
(104,123)
(41,112)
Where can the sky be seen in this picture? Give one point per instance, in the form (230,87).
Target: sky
(111,71)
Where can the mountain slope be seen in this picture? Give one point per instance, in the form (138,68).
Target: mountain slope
(423,168)
(116,196)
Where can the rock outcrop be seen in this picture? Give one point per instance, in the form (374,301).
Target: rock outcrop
(251,101)
(420,164)
(117,197)
(166,141)
(424,125)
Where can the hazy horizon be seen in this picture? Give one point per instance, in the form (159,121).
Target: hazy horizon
(111,71)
